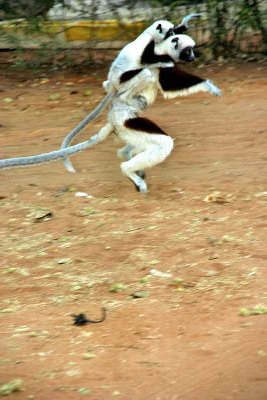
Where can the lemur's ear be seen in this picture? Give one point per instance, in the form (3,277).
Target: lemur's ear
(175,40)
(169,33)
(159,28)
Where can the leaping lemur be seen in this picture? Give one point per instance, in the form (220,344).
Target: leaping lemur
(130,61)
(146,144)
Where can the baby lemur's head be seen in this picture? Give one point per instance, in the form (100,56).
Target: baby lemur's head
(178,47)
(160,30)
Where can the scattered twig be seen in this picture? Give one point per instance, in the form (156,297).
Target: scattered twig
(81,319)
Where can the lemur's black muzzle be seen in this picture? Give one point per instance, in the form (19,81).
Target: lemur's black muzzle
(187,54)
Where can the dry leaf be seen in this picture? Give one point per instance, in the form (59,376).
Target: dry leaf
(217,197)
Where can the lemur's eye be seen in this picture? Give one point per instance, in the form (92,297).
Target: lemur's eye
(159,28)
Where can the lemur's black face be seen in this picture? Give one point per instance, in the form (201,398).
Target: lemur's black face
(187,54)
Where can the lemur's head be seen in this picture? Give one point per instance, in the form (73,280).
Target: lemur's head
(178,47)
(160,30)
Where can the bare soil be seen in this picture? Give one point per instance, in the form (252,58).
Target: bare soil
(184,338)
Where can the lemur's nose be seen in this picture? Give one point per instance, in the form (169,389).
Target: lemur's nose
(187,54)
(191,57)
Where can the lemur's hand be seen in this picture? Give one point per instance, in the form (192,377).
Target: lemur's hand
(106,86)
(169,64)
(146,73)
(185,20)
(136,84)
(123,95)
(212,88)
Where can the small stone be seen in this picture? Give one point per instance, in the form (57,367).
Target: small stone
(83,194)
(87,92)
(54,97)
(217,197)
(33,334)
(75,288)
(7,100)
(41,215)
(84,390)
(159,274)
(140,294)
(88,356)
(64,260)
(117,288)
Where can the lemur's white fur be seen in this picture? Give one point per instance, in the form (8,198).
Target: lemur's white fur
(130,56)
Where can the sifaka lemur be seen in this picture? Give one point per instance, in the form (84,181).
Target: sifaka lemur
(146,144)
(130,61)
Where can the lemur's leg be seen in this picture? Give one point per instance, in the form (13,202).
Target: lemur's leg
(127,152)
(152,145)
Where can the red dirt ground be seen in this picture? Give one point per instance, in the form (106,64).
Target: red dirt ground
(186,340)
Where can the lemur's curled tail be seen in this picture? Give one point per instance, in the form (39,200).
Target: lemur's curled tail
(68,139)
(58,154)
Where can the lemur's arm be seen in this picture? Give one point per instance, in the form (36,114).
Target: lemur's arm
(126,79)
(174,82)
(131,82)
(184,25)
(140,80)
(124,82)
(152,60)
(148,59)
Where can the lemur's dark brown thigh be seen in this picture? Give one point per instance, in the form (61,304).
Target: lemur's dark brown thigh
(144,125)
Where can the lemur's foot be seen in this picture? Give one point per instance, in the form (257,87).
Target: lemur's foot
(212,88)
(140,185)
(141,173)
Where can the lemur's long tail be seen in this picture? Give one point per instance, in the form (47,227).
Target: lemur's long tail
(68,139)
(58,154)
